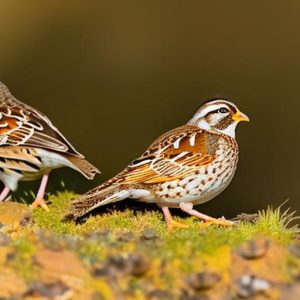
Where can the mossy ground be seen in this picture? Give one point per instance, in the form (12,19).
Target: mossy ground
(160,260)
(197,237)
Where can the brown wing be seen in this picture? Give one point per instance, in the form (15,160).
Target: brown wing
(22,125)
(176,154)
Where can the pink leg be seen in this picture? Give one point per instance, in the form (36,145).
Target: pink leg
(43,185)
(167,214)
(171,223)
(4,193)
(39,201)
(188,208)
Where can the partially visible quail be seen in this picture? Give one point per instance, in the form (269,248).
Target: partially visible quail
(30,147)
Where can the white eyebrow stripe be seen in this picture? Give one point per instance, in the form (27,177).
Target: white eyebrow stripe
(203,111)
(210,108)
(192,139)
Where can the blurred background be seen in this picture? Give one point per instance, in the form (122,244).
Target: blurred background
(114,75)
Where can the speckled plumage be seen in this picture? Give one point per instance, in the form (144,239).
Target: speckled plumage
(190,164)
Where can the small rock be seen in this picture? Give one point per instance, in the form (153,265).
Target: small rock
(149,234)
(71,241)
(203,280)
(116,262)
(254,249)
(26,220)
(100,271)
(11,256)
(49,241)
(132,264)
(60,264)
(249,286)
(126,237)
(100,236)
(57,243)
(47,289)
(139,266)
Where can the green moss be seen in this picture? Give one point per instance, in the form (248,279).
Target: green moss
(197,237)
(181,245)
(53,220)
(275,223)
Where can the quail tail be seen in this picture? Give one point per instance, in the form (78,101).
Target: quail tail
(96,198)
(83,166)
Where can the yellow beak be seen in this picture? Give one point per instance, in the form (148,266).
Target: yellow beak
(239,116)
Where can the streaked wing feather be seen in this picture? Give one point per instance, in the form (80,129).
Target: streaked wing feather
(22,125)
(158,166)
(41,140)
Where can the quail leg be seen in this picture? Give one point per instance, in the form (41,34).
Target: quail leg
(4,193)
(170,222)
(39,200)
(188,208)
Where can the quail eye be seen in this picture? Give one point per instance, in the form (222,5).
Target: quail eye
(223,110)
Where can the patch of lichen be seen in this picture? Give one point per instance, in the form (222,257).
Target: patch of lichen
(169,256)
(21,258)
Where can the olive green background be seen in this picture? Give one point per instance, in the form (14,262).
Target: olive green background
(114,75)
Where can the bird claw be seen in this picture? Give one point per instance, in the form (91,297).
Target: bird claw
(39,202)
(174,224)
(219,222)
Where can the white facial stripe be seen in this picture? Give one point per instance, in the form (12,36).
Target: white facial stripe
(211,107)
(208,109)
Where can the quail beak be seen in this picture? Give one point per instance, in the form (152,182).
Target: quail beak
(239,116)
